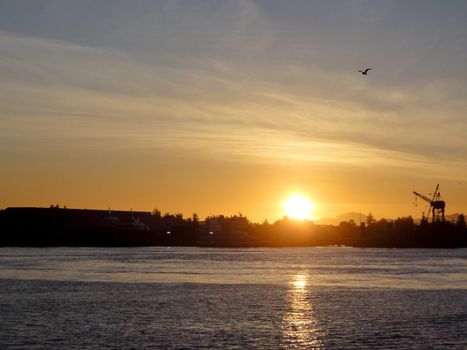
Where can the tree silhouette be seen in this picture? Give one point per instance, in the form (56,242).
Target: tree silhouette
(460,221)
(370,219)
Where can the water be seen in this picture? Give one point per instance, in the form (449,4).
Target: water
(191,298)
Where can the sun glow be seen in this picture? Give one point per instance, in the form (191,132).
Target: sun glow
(298,207)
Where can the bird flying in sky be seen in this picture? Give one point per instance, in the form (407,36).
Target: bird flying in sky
(365,72)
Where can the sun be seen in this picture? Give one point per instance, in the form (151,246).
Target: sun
(298,207)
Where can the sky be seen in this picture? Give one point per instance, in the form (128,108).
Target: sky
(222,107)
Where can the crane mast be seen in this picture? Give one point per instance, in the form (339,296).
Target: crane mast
(436,207)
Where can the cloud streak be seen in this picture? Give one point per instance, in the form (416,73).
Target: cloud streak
(241,82)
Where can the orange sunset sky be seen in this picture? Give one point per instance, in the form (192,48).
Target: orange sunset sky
(220,107)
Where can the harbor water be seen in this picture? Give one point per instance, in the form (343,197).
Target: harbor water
(194,298)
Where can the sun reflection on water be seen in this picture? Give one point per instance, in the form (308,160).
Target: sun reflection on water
(300,281)
(300,326)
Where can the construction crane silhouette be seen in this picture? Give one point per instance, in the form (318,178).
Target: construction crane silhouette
(436,207)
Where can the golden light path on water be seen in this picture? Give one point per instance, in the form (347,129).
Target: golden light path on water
(300,326)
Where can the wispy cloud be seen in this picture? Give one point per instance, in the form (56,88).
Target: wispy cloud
(233,83)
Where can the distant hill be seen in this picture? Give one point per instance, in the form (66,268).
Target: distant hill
(357,217)
(451,217)
(448,217)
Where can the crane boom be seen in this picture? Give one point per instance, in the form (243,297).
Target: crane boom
(422,197)
(436,194)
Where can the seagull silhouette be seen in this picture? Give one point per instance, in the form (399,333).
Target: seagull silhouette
(365,72)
